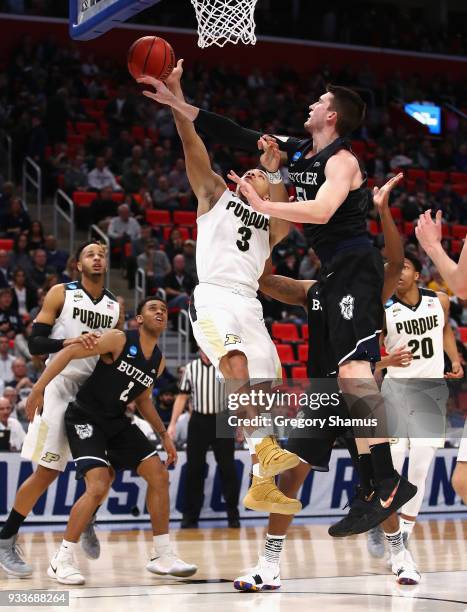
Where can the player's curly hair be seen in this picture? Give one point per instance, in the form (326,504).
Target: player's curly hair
(350,109)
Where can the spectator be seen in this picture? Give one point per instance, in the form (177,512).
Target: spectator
(179,179)
(120,112)
(36,236)
(165,401)
(39,270)
(165,196)
(7,193)
(309,266)
(17,220)
(56,258)
(132,179)
(24,298)
(174,245)
(12,396)
(21,348)
(7,422)
(20,378)
(437,283)
(37,140)
(20,257)
(189,252)
(156,264)
(10,321)
(76,176)
(103,207)
(6,360)
(178,284)
(95,144)
(123,145)
(136,158)
(123,229)
(71,272)
(102,177)
(4,269)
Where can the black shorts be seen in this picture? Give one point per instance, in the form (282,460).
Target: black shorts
(95,442)
(350,293)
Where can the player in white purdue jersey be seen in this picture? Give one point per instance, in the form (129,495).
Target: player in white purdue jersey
(76,312)
(417,323)
(233,245)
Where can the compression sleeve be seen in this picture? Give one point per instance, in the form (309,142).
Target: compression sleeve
(225,131)
(39,342)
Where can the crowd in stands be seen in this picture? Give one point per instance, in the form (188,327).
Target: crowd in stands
(118,157)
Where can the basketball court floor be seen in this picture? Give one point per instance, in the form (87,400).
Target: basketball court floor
(318,572)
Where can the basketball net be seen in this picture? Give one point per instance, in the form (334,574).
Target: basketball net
(223,21)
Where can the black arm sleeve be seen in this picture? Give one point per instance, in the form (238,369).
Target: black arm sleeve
(39,342)
(225,131)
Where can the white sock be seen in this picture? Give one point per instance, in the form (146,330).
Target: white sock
(256,470)
(249,441)
(395,541)
(161,544)
(67,546)
(407,526)
(273,548)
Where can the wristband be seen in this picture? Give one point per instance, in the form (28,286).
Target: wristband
(274,177)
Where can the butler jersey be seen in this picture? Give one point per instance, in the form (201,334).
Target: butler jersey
(233,244)
(82,314)
(307,174)
(420,328)
(112,386)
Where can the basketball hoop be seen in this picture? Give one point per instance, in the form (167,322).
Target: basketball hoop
(223,21)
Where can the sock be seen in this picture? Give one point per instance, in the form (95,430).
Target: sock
(366,473)
(273,548)
(12,525)
(407,526)
(67,546)
(381,461)
(161,544)
(256,470)
(396,544)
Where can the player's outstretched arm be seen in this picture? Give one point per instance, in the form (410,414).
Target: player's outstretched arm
(150,414)
(111,342)
(428,233)
(284,289)
(449,340)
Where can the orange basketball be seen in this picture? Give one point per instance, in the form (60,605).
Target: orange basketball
(151,56)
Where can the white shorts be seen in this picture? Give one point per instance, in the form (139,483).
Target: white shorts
(415,409)
(462,453)
(46,442)
(224,320)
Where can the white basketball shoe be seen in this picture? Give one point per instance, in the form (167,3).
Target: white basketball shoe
(170,565)
(266,576)
(64,569)
(404,568)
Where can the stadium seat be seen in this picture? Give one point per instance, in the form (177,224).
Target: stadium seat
(409,228)
(75,140)
(158,217)
(459,231)
(118,196)
(460,189)
(446,230)
(96,115)
(6,244)
(303,353)
(456,246)
(153,135)
(85,127)
(435,187)
(87,104)
(373,227)
(436,176)
(414,173)
(305,331)
(359,148)
(285,353)
(83,199)
(286,332)
(194,232)
(138,133)
(299,372)
(101,104)
(396,213)
(184,233)
(463,334)
(410,185)
(458,177)
(184,217)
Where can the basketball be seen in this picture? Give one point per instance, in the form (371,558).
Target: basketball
(152,56)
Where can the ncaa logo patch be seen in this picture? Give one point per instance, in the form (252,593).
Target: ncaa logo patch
(347,305)
(296,156)
(133,350)
(84,431)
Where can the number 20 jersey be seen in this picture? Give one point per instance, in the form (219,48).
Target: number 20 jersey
(420,329)
(233,243)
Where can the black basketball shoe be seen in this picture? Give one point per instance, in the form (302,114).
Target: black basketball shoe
(359,508)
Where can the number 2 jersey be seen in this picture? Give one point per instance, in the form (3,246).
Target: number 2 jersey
(420,329)
(233,243)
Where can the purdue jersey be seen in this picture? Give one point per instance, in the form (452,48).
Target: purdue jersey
(308,175)
(112,386)
(81,314)
(419,328)
(233,244)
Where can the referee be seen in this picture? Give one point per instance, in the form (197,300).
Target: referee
(200,384)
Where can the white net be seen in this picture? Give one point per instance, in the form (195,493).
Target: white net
(223,21)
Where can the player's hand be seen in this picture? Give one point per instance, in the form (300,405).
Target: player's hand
(249,192)
(428,232)
(162,94)
(457,371)
(173,80)
(88,340)
(170,449)
(381,194)
(34,402)
(271,157)
(402,357)
(171,430)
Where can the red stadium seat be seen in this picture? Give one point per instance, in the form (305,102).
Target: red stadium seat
(158,217)
(6,244)
(460,189)
(184,233)
(303,353)
(359,148)
(285,331)
(446,230)
(408,228)
(96,115)
(101,104)
(435,187)
(83,199)
(305,331)
(437,176)
(85,127)
(459,231)
(458,177)
(75,140)
(118,196)
(138,133)
(396,213)
(153,134)
(415,173)
(285,353)
(463,334)
(299,372)
(410,185)
(194,232)
(373,227)
(184,217)
(456,246)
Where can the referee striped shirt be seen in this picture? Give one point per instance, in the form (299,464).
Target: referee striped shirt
(207,393)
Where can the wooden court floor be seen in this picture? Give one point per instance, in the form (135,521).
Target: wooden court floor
(318,572)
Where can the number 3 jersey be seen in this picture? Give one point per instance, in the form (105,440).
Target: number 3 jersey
(233,243)
(112,386)
(420,329)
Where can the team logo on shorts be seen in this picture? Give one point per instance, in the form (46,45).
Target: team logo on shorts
(231,339)
(49,457)
(84,431)
(347,305)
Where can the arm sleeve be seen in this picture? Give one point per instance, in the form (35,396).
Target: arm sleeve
(39,342)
